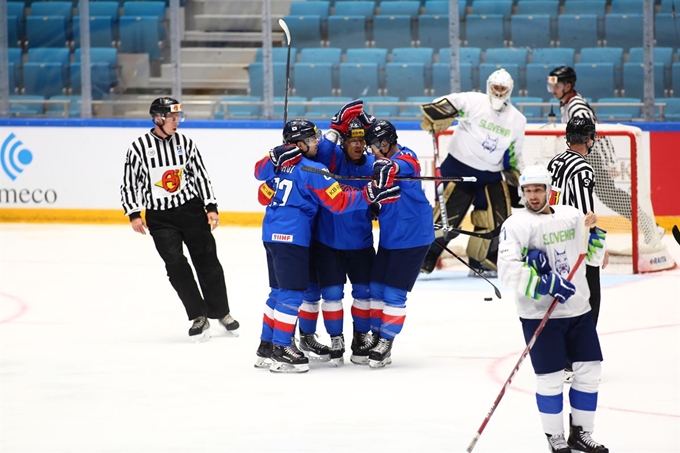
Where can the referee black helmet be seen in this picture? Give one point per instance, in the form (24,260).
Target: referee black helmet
(580,129)
(163,106)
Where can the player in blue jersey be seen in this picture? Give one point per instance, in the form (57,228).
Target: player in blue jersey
(405,235)
(342,246)
(286,234)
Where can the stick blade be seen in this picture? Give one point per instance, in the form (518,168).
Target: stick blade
(676,234)
(284,26)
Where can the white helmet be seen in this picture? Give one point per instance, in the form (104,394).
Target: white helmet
(535,174)
(499,87)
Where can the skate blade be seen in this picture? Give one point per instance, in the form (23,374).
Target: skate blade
(359,359)
(317,357)
(262,363)
(233,333)
(379,363)
(202,337)
(338,362)
(280,367)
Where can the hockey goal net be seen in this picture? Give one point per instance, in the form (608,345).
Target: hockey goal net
(623,201)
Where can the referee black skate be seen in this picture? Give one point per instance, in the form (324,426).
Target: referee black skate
(165,175)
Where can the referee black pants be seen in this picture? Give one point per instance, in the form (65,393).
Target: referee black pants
(188,224)
(593,278)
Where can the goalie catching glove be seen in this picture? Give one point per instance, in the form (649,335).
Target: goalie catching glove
(285,155)
(438,116)
(375,195)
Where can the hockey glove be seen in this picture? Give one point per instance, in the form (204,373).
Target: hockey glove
(384,171)
(349,111)
(285,155)
(538,260)
(595,242)
(558,287)
(366,119)
(266,193)
(438,116)
(373,194)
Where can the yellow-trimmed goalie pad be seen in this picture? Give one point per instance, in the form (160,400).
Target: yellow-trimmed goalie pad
(457,203)
(438,116)
(498,201)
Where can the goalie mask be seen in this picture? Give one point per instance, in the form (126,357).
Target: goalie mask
(535,174)
(499,87)
(580,130)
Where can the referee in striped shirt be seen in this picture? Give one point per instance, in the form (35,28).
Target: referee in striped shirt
(165,174)
(573,183)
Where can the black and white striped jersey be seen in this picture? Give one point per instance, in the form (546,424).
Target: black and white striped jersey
(573,181)
(162,174)
(602,155)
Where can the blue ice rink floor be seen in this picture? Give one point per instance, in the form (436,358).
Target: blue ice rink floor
(94,357)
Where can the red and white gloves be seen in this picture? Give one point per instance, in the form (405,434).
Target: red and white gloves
(349,111)
(384,171)
(285,155)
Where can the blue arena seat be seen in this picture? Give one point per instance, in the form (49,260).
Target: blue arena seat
(472,55)
(384,35)
(664,30)
(366,55)
(256,80)
(626,7)
(373,107)
(598,77)
(147,9)
(359,79)
(14,60)
(577,31)
(101,31)
(67,107)
(441,7)
(671,109)
(633,80)
(531,30)
(26,105)
(405,79)
(667,6)
(239,107)
(623,30)
(433,31)
(46,31)
(347,31)
(612,55)
(44,79)
(413,110)
(16,16)
(313,79)
(55,8)
(313,7)
(617,112)
(484,31)
(353,8)
(296,106)
(104,64)
(13,39)
(139,34)
(422,55)
(528,111)
(324,107)
(306,30)
(399,8)
(553,55)
(597,7)
(279,54)
(486,7)
(332,55)
(105,8)
(12,76)
(503,55)
(675,86)
(486,69)
(662,55)
(441,78)
(547,7)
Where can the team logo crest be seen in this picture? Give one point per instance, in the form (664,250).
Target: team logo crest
(490,144)
(171,180)
(151,152)
(562,263)
(180,151)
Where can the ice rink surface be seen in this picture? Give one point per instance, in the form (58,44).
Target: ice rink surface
(95,357)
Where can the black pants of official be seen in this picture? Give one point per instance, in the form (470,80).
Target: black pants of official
(593,278)
(188,224)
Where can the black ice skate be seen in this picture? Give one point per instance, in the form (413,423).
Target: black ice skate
(313,349)
(200,330)
(558,444)
(288,359)
(429,263)
(337,349)
(381,355)
(230,324)
(264,354)
(580,440)
(362,343)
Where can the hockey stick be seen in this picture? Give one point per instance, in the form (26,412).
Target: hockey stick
(530,344)
(676,234)
(439,193)
(479,274)
(488,235)
(398,178)
(284,26)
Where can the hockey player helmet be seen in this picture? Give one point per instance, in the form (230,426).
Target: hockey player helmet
(163,106)
(535,174)
(300,130)
(561,74)
(355,130)
(381,130)
(499,87)
(580,130)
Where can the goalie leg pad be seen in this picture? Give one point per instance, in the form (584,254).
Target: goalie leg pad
(498,209)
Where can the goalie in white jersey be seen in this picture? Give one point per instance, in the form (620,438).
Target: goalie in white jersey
(538,248)
(487,144)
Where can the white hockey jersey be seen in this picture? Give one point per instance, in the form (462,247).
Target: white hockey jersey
(483,135)
(560,236)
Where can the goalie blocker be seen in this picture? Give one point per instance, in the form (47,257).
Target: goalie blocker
(458,200)
(438,116)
